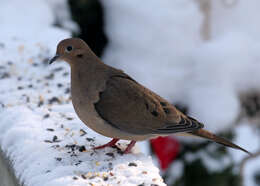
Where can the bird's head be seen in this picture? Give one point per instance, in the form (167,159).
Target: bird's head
(71,50)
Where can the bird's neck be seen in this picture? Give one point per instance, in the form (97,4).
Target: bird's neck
(87,69)
(85,77)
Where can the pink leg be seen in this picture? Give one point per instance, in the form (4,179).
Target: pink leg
(109,144)
(129,147)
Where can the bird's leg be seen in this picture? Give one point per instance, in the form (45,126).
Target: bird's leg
(129,147)
(109,144)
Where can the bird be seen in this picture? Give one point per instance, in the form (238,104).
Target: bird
(113,104)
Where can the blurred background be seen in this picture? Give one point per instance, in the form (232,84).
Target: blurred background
(201,55)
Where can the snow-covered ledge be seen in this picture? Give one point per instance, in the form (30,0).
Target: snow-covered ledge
(42,139)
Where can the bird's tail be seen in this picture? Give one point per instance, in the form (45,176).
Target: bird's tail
(206,134)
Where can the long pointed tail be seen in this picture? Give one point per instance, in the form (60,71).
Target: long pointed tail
(206,134)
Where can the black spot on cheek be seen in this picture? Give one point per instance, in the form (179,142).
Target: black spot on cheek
(154,113)
(79,55)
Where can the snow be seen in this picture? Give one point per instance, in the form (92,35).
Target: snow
(243,133)
(62,16)
(237,16)
(218,86)
(176,170)
(251,167)
(248,137)
(40,133)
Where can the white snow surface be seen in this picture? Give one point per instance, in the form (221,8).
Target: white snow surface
(248,137)
(39,131)
(251,167)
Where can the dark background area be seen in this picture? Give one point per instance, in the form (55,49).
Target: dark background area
(89,16)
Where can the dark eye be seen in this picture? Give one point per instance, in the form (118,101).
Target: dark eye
(69,48)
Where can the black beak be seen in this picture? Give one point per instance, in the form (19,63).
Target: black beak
(54,59)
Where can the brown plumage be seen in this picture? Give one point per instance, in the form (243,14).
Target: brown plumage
(113,104)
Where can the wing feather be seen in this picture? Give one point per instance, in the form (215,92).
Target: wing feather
(129,106)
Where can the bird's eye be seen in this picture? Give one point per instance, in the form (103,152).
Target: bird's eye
(69,48)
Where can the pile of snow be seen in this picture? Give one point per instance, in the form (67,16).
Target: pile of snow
(39,131)
(250,170)
(33,19)
(223,68)
(235,15)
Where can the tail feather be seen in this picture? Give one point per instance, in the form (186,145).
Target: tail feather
(206,134)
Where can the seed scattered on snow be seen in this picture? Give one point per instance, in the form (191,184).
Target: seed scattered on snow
(54,100)
(110,154)
(111,174)
(82,148)
(4,75)
(21,48)
(89,139)
(58,159)
(83,176)
(30,60)
(55,139)
(97,163)
(46,116)
(48,141)
(82,132)
(132,164)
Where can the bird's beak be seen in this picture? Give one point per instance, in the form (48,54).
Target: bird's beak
(54,59)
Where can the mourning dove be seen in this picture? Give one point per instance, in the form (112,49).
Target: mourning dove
(115,105)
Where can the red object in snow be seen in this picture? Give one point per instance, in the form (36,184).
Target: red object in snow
(166,149)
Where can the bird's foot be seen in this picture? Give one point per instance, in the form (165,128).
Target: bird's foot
(129,147)
(112,143)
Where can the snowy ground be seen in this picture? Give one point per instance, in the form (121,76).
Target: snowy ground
(40,133)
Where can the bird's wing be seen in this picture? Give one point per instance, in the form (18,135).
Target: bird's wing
(130,107)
